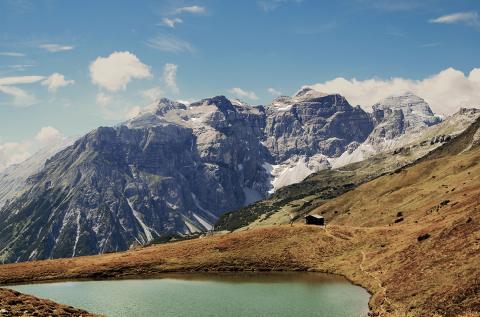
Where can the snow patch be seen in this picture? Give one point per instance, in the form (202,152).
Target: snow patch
(77,237)
(139,216)
(203,222)
(197,203)
(191,227)
(295,170)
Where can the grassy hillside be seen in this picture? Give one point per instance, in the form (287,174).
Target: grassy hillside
(13,303)
(425,265)
(411,237)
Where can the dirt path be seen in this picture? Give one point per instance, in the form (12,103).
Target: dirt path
(382,289)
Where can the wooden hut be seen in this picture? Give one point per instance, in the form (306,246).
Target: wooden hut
(315,220)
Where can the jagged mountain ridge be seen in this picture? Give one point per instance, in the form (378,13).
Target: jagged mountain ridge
(174,169)
(396,119)
(116,187)
(291,201)
(13,179)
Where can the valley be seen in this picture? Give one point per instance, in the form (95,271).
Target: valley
(416,194)
(270,158)
(437,199)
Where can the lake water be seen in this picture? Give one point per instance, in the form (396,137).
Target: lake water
(295,294)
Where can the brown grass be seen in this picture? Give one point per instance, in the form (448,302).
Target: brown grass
(439,276)
(17,304)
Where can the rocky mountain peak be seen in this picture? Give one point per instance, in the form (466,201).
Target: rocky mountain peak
(308,93)
(222,103)
(408,103)
(165,105)
(312,123)
(398,114)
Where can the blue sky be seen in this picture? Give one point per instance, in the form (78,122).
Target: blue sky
(189,50)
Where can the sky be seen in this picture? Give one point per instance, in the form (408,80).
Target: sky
(67,67)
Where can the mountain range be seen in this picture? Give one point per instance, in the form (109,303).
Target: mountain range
(178,168)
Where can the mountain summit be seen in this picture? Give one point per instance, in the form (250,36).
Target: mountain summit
(397,115)
(176,168)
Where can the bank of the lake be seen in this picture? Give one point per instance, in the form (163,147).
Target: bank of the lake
(236,294)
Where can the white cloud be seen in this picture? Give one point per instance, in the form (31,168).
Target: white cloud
(152,94)
(470,18)
(239,92)
(16,152)
(191,9)
(103,99)
(48,134)
(18,67)
(12,54)
(170,77)
(171,22)
(54,48)
(117,70)
(21,98)
(170,43)
(132,112)
(270,5)
(12,153)
(7,81)
(55,81)
(274,92)
(446,91)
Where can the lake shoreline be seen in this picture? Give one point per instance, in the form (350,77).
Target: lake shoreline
(85,268)
(288,288)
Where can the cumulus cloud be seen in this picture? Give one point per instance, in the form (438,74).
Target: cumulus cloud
(12,153)
(21,98)
(240,93)
(152,94)
(16,152)
(55,81)
(115,71)
(446,91)
(171,22)
(170,77)
(103,99)
(54,48)
(274,92)
(470,18)
(170,43)
(191,9)
(132,112)
(48,134)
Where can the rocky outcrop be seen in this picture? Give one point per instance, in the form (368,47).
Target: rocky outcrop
(173,170)
(396,119)
(398,115)
(176,168)
(311,123)
(13,179)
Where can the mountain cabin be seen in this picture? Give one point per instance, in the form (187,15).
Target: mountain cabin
(315,220)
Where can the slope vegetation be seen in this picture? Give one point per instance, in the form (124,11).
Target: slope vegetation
(411,237)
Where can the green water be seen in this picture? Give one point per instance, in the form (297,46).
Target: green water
(212,295)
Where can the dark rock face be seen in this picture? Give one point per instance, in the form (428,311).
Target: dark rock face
(117,187)
(310,123)
(172,170)
(397,115)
